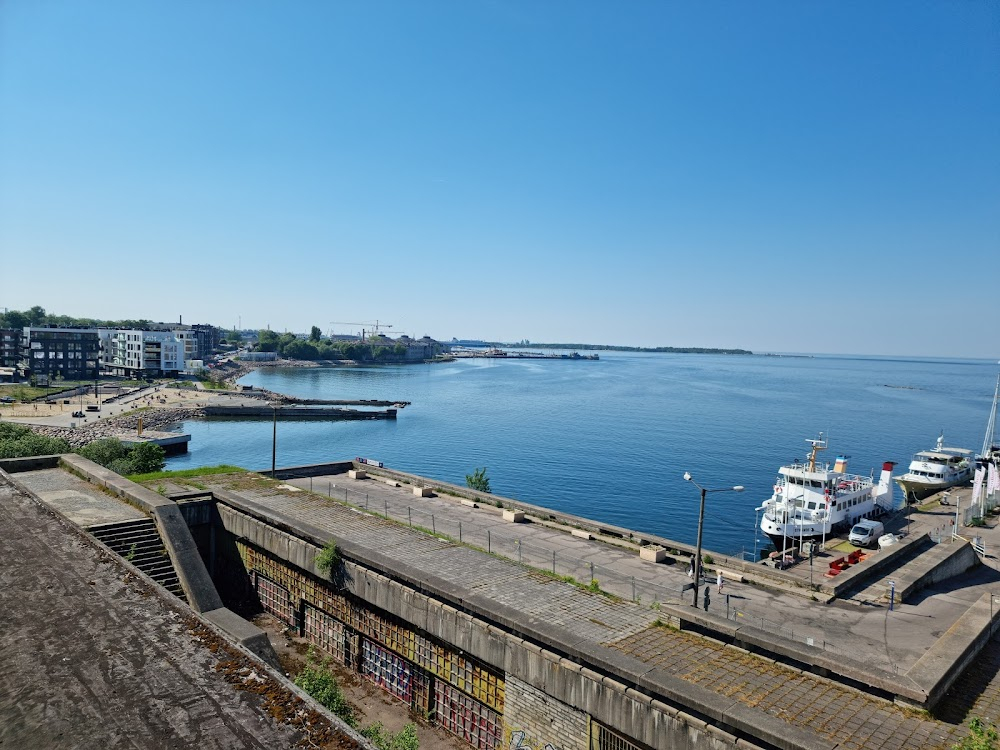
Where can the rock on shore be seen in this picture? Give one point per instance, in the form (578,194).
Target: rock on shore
(125,425)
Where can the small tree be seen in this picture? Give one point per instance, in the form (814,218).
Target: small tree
(315,334)
(478,480)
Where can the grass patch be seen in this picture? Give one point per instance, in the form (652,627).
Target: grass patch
(202,472)
(557,577)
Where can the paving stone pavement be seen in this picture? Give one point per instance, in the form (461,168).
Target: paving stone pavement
(851,718)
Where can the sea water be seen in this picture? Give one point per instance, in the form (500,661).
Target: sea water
(611,439)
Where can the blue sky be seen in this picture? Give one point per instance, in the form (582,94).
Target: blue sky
(776,176)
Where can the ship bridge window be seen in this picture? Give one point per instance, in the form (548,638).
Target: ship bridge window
(811,505)
(815,483)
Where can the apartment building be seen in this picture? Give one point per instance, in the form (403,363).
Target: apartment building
(142,354)
(71,353)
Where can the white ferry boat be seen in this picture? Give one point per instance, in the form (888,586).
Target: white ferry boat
(934,470)
(812,501)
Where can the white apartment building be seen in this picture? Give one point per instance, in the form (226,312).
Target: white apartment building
(133,353)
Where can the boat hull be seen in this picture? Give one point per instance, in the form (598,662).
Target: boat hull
(914,490)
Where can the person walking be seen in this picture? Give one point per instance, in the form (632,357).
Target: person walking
(718,580)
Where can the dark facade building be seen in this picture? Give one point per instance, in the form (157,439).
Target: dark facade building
(72,353)
(10,347)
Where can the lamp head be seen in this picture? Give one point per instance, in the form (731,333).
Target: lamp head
(687,476)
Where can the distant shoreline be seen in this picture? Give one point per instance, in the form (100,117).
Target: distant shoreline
(614,348)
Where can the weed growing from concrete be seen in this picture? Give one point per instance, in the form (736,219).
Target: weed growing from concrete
(131,553)
(328,560)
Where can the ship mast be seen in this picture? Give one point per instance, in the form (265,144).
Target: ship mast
(990,439)
(817,445)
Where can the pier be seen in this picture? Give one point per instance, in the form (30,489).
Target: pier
(242,411)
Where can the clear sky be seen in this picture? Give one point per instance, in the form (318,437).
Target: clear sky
(777,176)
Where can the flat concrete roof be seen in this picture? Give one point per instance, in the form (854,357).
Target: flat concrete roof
(92,657)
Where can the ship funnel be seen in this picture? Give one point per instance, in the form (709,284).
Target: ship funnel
(883,495)
(841,464)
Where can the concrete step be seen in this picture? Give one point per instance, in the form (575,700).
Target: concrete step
(121,535)
(139,542)
(106,528)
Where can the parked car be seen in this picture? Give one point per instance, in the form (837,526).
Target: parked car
(865,533)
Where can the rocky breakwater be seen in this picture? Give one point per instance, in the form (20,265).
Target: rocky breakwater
(126,425)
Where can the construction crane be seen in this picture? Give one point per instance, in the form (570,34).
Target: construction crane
(372,328)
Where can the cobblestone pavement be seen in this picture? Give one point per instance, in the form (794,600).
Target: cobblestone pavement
(852,719)
(91,658)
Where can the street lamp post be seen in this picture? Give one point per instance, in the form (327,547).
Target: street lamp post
(274,437)
(701,521)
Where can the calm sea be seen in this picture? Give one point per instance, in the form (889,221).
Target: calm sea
(611,439)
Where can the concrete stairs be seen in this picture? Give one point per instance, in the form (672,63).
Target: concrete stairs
(139,542)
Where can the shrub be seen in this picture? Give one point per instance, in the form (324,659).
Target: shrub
(478,480)
(317,680)
(404,739)
(17,441)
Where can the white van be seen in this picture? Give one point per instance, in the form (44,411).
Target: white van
(865,533)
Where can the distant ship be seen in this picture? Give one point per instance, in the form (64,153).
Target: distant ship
(812,501)
(935,470)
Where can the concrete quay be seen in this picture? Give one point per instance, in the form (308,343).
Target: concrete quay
(576,661)
(779,603)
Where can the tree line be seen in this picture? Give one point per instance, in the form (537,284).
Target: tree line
(37,316)
(289,346)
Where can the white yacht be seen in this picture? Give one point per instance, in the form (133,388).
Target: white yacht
(812,501)
(934,470)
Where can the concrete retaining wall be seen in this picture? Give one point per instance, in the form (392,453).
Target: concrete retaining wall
(942,562)
(32,463)
(586,678)
(856,575)
(938,669)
